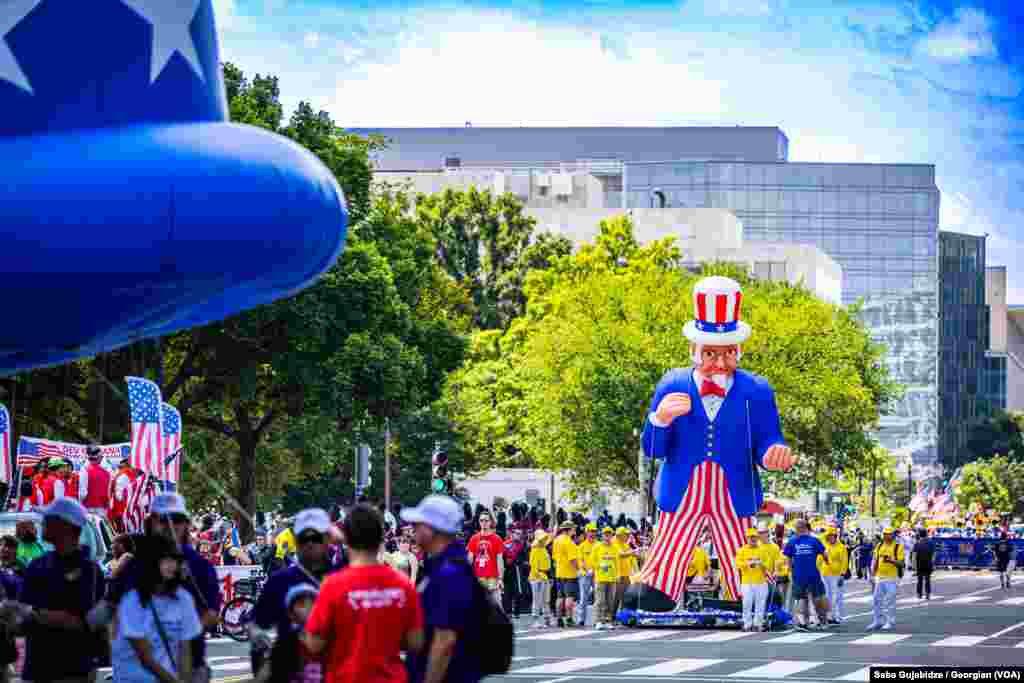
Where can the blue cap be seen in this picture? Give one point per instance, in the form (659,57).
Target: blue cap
(68,510)
(298,591)
(132,208)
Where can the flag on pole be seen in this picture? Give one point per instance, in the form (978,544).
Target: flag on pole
(172,443)
(147,432)
(33,451)
(5,445)
(138,504)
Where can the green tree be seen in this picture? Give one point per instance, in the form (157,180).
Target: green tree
(604,325)
(484,242)
(981,485)
(1011,475)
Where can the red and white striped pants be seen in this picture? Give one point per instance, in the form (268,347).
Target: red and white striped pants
(705,503)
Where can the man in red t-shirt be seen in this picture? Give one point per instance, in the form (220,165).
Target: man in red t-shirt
(486,554)
(365,614)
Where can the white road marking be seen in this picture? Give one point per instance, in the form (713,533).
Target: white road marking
(861,675)
(234,666)
(560,635)
(1012,601)
(866,598)
(716,637)
(777,669)
(639,636)
(960,641)
(568,666)
(881,639)
(1007,630)
(966,599)
(563,679)
(672,667)
(907,601)
(793,638)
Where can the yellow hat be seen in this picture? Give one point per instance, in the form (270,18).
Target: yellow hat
(887,530)
(540,537)
(622,531)
(607,530)
(751,532)
(591,527)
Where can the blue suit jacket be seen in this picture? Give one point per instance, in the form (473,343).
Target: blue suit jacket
(731,441)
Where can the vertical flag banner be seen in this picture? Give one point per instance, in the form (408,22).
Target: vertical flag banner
(147,432)
(172,442)
(138,504)
(5,445)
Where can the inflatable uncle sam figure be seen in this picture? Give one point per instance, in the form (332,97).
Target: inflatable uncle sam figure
(713,426)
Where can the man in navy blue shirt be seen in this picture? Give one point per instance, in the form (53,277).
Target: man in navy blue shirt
(803,551)
(447,595)
(313,531)
(59,590)
(168,517)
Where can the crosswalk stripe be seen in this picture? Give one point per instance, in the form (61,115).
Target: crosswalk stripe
(777,669)
(716,637)
(568,666)
(799,638)
(881,639)
(639,636)
(222,659)
(672,667)
(907,601)
(866,598)
(960,641)
(560,635)
(1012,601)
(967,599)
(233,666)
(1020,644)
(861,675)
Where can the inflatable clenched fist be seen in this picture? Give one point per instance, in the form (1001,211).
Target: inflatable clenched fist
(779,458)
(672,406)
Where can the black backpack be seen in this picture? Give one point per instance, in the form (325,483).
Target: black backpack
(493,639)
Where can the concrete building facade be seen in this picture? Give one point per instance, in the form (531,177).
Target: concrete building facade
(1003,381)
(878,222)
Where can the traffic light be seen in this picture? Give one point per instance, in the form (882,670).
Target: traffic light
(439,479)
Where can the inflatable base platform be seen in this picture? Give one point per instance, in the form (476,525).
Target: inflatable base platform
(775,618)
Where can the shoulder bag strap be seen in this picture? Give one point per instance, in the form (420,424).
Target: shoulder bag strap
(163,634)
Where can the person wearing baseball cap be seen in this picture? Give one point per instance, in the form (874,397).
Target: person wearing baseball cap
(587,575)
(888,570)
(754,563)
(60,588)
(835,565)
(447,594)
(313,531)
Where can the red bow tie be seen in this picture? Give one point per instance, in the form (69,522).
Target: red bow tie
(710,387)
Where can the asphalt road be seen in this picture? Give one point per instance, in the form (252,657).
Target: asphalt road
(970,621)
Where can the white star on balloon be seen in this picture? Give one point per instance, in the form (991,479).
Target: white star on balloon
(11,14)
(171,20)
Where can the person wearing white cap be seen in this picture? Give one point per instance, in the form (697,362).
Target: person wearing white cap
(60,588)
(313,530)
(888,571)
(447,595)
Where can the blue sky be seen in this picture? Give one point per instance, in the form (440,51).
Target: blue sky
(923,82)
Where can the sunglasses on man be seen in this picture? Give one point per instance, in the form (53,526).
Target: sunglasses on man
(306,539)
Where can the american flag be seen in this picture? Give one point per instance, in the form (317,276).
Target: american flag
(33,451)
(147,439)
(172,442)
(5,445)
(139,498)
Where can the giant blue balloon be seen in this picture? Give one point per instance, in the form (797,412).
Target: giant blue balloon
(129,207)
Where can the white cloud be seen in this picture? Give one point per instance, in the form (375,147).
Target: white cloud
(968,35)
(311,40)
(732,8)
(225,13)
(519,72)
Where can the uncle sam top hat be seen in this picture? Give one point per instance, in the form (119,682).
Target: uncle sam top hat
(129,207)
(717,302)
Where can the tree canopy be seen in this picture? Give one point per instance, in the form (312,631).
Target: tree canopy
(569,383)
(1002,433)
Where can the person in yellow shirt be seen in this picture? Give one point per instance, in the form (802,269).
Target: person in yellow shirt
(604,558)
(540,579)
(285,543)
(888,569)
(777,566)
(628,564)
(753,561)
(835,564)
(567,573)
(586,575)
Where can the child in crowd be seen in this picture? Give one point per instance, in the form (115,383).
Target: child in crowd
(290,662)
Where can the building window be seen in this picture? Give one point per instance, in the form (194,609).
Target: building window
(452,162)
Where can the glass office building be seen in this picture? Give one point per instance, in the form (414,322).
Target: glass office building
(963,340)
(878,221)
